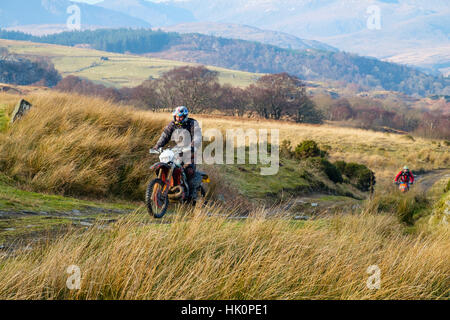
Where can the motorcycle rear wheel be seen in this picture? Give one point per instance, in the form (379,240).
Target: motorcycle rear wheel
(157,204)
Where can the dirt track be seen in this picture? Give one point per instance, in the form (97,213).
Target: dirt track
(427,180)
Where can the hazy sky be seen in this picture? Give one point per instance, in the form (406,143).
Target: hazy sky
(95,1)
(87,1)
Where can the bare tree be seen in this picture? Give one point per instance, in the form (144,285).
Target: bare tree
(233,100)
(193,87)
(278,95)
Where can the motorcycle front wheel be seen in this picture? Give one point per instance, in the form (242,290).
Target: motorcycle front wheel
(155,200)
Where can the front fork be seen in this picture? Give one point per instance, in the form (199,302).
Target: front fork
(168,179)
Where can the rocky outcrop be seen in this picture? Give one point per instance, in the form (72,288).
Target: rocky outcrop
(9,89)
(20,110)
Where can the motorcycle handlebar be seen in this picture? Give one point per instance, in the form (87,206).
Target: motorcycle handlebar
(175,150)
(154,151)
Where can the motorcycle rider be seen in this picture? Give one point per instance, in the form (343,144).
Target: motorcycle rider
(404,176)
(181,124)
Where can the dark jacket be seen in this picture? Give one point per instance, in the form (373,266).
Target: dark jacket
(191,125)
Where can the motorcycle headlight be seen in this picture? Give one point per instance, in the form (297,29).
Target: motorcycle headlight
(164,159)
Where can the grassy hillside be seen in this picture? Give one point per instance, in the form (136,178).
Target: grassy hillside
(120,69)
(47,148)
(385,153)
(66,145)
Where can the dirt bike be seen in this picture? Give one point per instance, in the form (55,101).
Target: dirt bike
(403,186)
(171,184)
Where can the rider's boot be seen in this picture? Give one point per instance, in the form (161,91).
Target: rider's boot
(194,182)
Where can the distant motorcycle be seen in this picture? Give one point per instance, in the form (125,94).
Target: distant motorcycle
(171,183)
(403,186)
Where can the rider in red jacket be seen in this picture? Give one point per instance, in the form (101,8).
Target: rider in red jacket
(404,176)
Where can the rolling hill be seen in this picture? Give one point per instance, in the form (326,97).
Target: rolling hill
(245,32)
(310,64)
(118,70)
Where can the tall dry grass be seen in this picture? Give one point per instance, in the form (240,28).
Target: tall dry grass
(201,256)
(76,145)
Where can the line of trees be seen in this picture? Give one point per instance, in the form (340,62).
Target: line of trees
(276,96)
(22,70)
(371,114)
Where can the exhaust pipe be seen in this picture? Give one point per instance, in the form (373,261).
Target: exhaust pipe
(176,193)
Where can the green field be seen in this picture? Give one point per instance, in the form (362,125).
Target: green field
(23,213)
(120,70)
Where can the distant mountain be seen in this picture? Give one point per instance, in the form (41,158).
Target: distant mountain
(405,24)
(421,32)
(156,14)
(434,59)
(54,12)
(244,32)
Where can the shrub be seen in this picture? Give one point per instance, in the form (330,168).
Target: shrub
(332,172)
(447,187)
(358,174)
(286,149)
(308,149)
(365,179)
(340,165)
